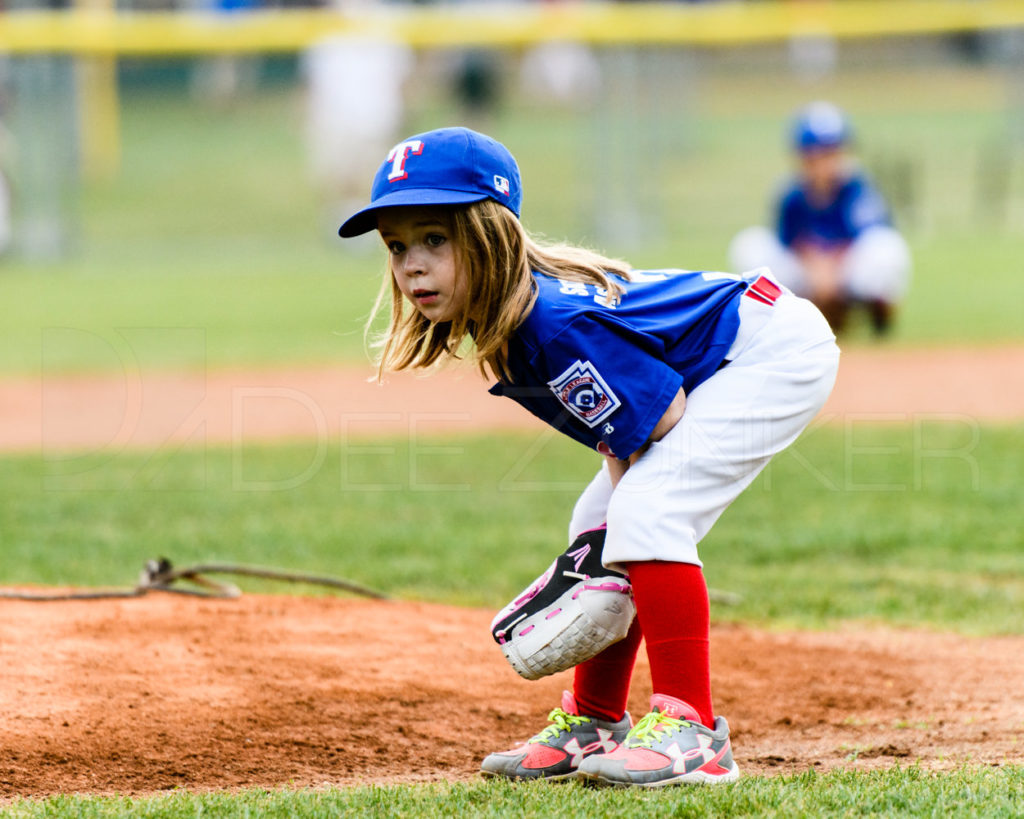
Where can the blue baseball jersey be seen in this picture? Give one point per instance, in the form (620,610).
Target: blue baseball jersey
(855,207)
(605,374)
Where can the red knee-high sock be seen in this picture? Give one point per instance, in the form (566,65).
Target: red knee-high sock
(601,684)
(674,613)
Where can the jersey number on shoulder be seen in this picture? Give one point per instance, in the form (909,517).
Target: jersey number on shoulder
(581,289)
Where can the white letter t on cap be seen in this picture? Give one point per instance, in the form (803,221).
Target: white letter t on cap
(398,155)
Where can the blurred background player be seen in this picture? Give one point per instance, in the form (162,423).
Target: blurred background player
(833,242)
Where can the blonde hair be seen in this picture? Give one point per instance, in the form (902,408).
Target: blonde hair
(498,258)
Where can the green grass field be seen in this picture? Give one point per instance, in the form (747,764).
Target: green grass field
(907,792)
(213,226)
(875,523)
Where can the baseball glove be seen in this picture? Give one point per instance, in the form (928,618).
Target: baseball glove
(573,611)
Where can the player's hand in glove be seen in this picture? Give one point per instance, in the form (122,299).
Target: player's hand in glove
(572,612)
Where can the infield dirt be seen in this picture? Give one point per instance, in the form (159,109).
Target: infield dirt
(144,695)
(141,409)
(160,692)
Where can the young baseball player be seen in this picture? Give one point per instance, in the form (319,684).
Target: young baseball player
(686,382)
(833,242)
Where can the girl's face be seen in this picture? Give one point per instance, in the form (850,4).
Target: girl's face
(423,260)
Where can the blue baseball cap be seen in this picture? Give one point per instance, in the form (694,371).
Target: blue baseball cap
(449,166)
(820,125)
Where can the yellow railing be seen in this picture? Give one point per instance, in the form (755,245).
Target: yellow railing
(91,32)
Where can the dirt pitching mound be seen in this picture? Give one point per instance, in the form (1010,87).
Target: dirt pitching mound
(142,695)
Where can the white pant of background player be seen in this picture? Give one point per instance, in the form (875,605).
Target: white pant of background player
(782,368)
(876,266)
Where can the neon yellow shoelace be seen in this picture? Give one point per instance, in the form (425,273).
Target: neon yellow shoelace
(560,721)
(645,732)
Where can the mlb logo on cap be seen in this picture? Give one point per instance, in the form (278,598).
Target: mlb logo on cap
(449,166)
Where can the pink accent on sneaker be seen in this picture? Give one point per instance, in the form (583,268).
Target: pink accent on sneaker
(526,631)
(712,767)
(644,759)
(542,756)
(553,614)
(569,704)
(675,708)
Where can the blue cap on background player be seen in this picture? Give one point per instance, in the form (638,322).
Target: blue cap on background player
(820,125)
(449,166)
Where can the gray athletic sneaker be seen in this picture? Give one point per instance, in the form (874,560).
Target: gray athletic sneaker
(669,746)
(557,751)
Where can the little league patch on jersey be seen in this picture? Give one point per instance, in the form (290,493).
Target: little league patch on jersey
(583,392)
